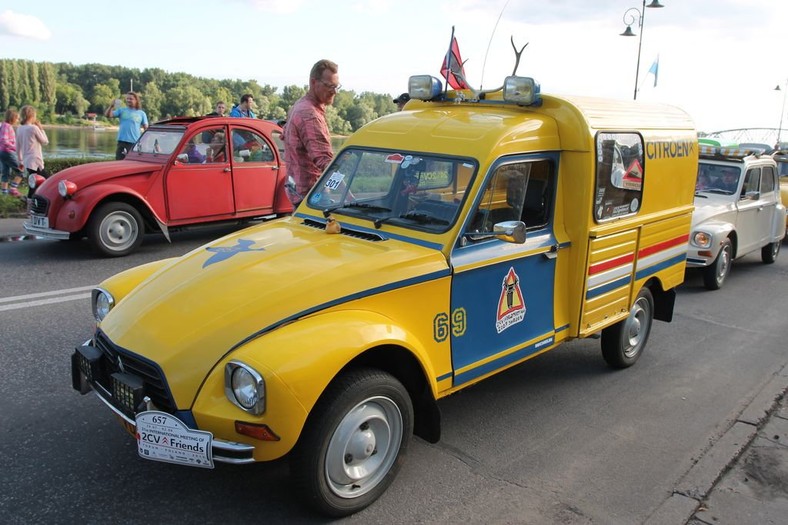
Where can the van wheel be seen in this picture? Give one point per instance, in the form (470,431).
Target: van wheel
(115,229)
(623,342)
(770,251)
(716,273)
(354,442)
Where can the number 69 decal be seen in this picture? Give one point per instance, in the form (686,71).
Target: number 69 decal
(441,324)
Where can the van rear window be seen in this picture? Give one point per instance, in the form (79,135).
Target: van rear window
(619,175)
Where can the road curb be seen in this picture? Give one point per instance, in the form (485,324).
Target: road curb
(700,480)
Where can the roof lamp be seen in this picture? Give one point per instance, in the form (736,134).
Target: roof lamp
(521,90)
(424,87)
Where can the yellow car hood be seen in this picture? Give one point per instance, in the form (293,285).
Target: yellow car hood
(191,313)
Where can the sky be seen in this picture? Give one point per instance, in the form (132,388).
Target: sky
(719,60)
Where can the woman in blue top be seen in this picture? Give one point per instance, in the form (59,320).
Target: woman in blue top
(132,122)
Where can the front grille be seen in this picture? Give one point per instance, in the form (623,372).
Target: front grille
(116,360)
(38,205)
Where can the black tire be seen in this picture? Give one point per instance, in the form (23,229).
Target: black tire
(115,229)
(354,442)
(716,273)
(623,342)
(770,251)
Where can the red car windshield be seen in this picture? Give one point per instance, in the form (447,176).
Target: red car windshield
(159,141)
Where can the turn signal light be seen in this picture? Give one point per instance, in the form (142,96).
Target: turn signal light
(261,432)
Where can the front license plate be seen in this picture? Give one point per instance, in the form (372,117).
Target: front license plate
(39,222)
(163,437)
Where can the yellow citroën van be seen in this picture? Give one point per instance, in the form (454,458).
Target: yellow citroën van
(468,233)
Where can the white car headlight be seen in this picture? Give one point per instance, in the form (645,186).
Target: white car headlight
(701,239)
(244,387)
(102,302)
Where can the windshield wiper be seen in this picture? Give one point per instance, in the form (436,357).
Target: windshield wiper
(364,205)
(716,190)
(423,218)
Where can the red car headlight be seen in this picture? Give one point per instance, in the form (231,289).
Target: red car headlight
(66,188)
(35,180)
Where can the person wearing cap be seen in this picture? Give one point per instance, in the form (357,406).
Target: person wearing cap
(401,100)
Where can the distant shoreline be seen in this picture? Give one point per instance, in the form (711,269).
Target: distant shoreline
(72,126)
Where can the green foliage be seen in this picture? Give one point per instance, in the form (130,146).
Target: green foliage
(15,207)
(65,92)
(12,206)
(58,164)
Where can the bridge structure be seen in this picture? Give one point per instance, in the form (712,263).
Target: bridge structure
(770,136)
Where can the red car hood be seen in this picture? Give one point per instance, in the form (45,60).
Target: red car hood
(93,172)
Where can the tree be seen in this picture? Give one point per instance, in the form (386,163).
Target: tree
(152,98)
(336,124)
(290,94)
(65,88)
(104,95)
(16,97)
(48,84)
(5,91)
(70,99)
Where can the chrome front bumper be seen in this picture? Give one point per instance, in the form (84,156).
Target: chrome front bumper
(46,233)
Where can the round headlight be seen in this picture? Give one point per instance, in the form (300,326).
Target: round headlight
(102,303)
(34,180)
(66,188)
(245,387)
(701,239)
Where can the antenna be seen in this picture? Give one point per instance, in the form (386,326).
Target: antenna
(484,64)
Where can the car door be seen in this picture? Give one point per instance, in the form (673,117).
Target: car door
(769,198)
(502,293)
(199,182)
(753,220)
(255,164)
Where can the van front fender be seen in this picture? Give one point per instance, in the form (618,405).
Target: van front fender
(297,362)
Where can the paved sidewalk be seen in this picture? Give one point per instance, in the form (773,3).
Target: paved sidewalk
(755,489)
(742,479)
(11,227)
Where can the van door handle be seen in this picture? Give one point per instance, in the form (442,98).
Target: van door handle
(553,252)
(227,169)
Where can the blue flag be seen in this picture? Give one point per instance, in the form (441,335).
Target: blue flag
(654,69)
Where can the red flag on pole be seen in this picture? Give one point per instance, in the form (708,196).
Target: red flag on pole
(452,68)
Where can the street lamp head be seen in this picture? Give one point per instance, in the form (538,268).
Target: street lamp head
(628,32)
(655,3)
(777,88)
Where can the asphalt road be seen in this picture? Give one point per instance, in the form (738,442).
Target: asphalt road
(559,439)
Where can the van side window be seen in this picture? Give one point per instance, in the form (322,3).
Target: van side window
(619,175)
(767,179)
(752,182)
(520,191)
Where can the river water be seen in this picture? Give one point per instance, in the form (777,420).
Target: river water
(100,142)
(80,142)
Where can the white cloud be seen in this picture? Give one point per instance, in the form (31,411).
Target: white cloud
(27,26)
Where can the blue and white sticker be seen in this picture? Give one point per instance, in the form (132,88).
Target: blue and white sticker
(335,180)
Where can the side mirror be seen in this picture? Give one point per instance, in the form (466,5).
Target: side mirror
(751,195)
(182,158)
(510,231)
